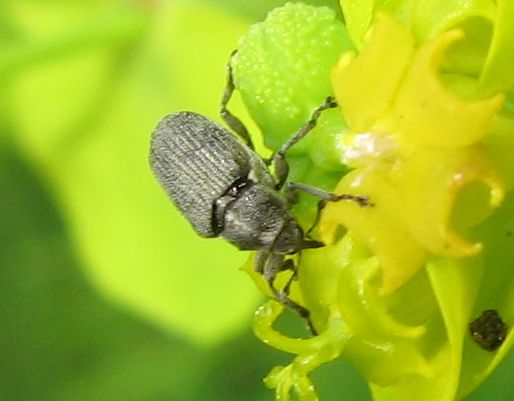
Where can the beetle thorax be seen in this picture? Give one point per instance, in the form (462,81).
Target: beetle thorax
(260,219)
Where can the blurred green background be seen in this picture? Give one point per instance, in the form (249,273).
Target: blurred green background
(105,291)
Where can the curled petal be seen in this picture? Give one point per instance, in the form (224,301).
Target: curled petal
(359,85)
(426,113)
(446,190)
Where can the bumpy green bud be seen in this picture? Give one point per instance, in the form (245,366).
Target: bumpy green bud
(282,70)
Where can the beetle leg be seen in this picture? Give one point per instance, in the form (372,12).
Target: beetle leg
(288,264)
(259,263)
(327,196)
(278,159)
(231,120)
(324,196)
(303,312)
(321,205)
(291,194)
(270,264)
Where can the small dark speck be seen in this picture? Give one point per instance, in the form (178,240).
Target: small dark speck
(509,233)
(489,330)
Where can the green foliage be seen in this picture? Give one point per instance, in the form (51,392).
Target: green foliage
(83,103)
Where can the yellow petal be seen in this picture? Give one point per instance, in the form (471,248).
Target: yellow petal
(431,183)
(365,85)
(428,114)
(380,227)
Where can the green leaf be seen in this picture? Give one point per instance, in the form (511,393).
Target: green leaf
(85,116)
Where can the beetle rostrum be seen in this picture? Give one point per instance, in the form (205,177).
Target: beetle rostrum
(224,188)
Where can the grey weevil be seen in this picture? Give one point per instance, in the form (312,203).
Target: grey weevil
(224,188)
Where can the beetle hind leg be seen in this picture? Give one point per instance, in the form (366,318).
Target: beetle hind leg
(230,119)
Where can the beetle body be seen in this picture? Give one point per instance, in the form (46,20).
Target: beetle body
(225,189)
(222,186)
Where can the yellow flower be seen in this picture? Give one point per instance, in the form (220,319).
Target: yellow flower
(417,151)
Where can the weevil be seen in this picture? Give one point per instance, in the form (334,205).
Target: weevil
(224,188)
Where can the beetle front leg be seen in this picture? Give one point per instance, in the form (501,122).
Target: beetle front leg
(278,159)
(326,196)
(292,189)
